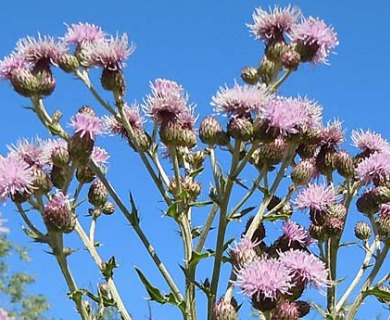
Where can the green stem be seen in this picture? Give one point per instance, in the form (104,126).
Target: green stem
(358,277)
(206,228)
(26,219)
(99,262)
(222,225)
(366,286)
(332,265)
(83,75)
(161,267)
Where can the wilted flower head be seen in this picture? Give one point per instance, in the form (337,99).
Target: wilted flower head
(316,197)
(11,65)
(369,141)
(292,115)
(241,99)
(314,39)
(293,232)
(305,266)
(83,32)
(86,125)
(271,25)
(167,102)
(16,177)
(41,49)
(264,278)
(375,168)
(108,53)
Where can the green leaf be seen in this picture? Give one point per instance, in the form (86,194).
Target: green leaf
(241,213)
(201,204)
(196,257)
(379,293)
(275,217)
(109,266)
(134,218)
(196,172)
(213,194)
(173,211)
(35,237)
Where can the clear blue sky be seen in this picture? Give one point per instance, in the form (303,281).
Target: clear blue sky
(202,45)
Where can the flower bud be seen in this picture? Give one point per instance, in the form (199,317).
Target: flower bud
(249,75)
(344,164)
(383,225)
(57,176)
(266,70)
(196,159)
(286,310)
(306,151)
(275,50)
(317,232)
(225,310)
(142,139)
(334,227)
(362,231)
(80,149)
(209,129)
(60,156)
(326,160)
(58,215)
(113,80)
(68,63)
(240,129)
(85,174)
(42,183)
(303,307)
(303,172)
(368,203)
(290,59)
(173,135)
(108,208)
(97,194)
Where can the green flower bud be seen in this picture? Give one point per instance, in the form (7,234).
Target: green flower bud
(250,75)
(97,194)
(69,63)
(362,231)
(113,80)
(209,130)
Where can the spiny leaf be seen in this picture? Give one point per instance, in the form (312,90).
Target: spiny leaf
(196,257)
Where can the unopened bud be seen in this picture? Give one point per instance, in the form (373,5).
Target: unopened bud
(68,63)
(209,129)
(240,129)
(113,80)
(362,231)
(97,194)
(249,75)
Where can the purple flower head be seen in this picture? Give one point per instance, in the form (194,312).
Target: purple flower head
(368,141)
(167,101)
(81,33)
(305,266)
(243,252)
(32,153)
(293,232)
(108,53)
(100,156)
(11,65)
(41,49)
(133,117)
(271,25)
(316,197)
(85,124)
(241,100)
(16,177)
(375,168)
(292,115)
(264,278)
(316,38)
(332,134)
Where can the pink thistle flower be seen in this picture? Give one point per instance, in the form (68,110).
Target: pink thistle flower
(315,39)
(384,209)
(81,33)
(264,278)
(41,49)
(332,134)
(86,124)
(368,141)
(305,266)
(292,116)
(16,177)
(167,101)
(133,117)
(293,232)
(271,25)
(316,197)
(375,168)
(32,153)
(11,64)
(100,156)
(241,99)
(108,53)
(243,251)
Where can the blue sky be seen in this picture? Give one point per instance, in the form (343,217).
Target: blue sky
(202,45)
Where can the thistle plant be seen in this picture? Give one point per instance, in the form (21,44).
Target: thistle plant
(296,159)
